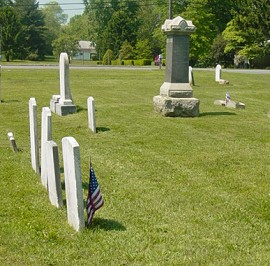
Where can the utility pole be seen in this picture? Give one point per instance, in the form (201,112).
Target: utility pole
(170,9)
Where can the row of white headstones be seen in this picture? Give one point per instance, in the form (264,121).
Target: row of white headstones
(50,168)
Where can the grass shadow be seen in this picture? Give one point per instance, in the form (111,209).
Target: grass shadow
(102,129)
(216,113)
(80,109)
(10,101)
(107,225)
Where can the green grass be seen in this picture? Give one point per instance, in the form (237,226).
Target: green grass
(177,191)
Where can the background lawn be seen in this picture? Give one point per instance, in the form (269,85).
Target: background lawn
(177,191)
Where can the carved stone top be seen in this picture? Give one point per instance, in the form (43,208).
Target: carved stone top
(178,25)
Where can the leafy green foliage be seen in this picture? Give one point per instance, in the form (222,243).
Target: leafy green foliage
(54,17)
(126,51)
(65,43)
(33,35)
(108,57)
(11,29)
(143,50)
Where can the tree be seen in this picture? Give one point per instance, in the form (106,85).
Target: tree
(248,32)
(10,31)
(33,37)
(53,18)
(108,57)
(126,51)
(65,43)
(143,50)
(79,27)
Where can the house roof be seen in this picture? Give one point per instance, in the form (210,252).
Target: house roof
(87,46)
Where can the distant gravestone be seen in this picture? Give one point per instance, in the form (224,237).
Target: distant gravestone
(91,114)
(34,135)
(191,76)
(218,72)
(62,104)
(73,183)
(53,170)
(46,135)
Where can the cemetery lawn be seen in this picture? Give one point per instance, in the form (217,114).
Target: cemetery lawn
(177,191)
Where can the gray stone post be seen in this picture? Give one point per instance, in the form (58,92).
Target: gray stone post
(34,135)
(53,170)
(46,135)
(73,183)
(176,94)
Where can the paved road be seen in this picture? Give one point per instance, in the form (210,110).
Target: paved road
(245,71)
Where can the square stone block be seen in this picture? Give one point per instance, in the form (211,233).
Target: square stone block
(176,107)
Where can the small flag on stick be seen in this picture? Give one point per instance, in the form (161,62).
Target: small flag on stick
(94,199)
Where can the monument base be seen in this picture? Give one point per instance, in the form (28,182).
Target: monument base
(176,90)
(63,110)
(176,107)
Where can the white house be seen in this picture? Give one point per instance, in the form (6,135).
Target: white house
(87,50)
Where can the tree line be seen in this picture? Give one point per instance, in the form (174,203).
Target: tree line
(228,31)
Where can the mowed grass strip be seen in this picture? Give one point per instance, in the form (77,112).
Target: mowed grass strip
(177,191)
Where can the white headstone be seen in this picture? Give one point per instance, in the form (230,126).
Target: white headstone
(46,135)
(65,92)
(218,72)
(34,135)
(53,170)
(91,114)
(190,76)
(73,183)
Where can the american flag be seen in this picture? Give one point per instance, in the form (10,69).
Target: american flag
(94,199)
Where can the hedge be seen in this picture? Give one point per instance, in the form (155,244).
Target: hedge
(139,62)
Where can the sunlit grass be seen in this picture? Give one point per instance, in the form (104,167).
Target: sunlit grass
(177,191)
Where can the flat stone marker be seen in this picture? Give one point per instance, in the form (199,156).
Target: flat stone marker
(91,114)
(73,183)
(34,135)
(53,169)
(46,135)
(218,73)
(230,104)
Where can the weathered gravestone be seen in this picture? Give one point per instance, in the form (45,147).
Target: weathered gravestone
(12,142)
(34,135)
(91,114)
(62,104)
(73,183)
(176,94)
(46,135)
(53,170)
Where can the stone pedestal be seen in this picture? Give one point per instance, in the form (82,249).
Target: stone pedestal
(176,94)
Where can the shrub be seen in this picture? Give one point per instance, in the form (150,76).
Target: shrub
(107,58)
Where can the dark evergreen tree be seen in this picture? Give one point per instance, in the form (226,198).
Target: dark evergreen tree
(33,35)
(11,29)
